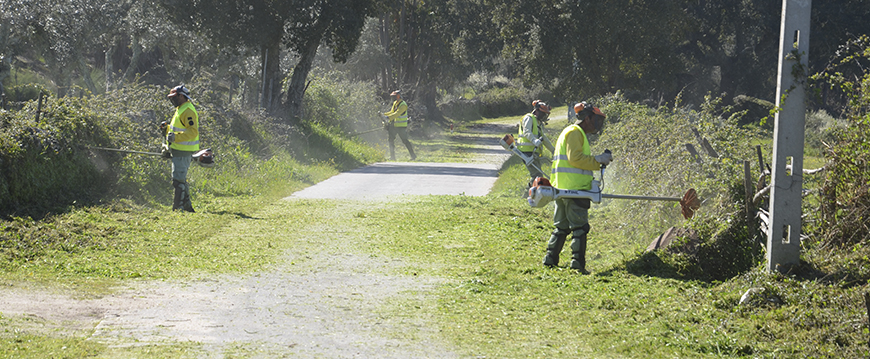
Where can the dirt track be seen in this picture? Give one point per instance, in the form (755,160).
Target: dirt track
(326,303)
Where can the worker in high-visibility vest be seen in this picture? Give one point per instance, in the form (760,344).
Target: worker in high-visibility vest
(182,141)
(573,164)
(397,123)
(531,138)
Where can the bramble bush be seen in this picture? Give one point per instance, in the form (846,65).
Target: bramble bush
(845,195)
(48,165)
(651,159)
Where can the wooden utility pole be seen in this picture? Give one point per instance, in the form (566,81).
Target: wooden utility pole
(783,238)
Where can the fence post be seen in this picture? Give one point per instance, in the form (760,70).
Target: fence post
(747,185)
(39,107)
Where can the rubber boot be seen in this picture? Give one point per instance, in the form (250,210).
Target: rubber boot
(578,249)
(554,247)
(179,193)
(182,197)
(410,149)
(185,199)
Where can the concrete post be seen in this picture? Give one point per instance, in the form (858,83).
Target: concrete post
(783,241)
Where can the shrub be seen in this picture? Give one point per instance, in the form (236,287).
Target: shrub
(52,164)
(649,150)
(43,165)
(845,195)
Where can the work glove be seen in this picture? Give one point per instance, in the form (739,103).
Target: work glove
(165,152)
(170,137)
(604,158)
(537,142)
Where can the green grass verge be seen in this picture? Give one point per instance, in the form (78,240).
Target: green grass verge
(501,302)
(497,299)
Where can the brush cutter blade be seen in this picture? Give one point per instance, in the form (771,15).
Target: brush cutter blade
(690,203)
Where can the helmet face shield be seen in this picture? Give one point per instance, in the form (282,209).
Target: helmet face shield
(598,122)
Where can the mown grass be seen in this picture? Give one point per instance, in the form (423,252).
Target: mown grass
(124,240)
(501,302)
(497,299)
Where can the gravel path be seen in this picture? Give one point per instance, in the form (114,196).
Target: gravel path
(313,305)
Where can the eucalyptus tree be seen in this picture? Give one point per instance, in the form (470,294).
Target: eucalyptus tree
(11,38)
(734,44)
(269,27)
(334,23)
(60,35)
(146,42)
(835,23)
(586,48)
(433,45)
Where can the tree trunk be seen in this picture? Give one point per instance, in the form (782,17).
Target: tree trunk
(134,61)
(110,68)
(110,64)
(86,74)
(387,70)
(429,94)
(296,91)
(271,86)
(401,46)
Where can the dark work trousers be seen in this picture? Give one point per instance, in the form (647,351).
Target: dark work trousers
(403,135)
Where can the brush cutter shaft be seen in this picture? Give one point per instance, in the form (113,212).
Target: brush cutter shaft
(541,195)
(125,151)
(365,132)
(648,198)
(507,142)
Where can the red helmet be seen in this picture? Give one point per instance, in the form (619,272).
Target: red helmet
(591,110)
(541,106)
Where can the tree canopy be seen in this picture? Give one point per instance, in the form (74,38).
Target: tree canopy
(262,51)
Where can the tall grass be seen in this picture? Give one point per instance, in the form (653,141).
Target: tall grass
(51,171)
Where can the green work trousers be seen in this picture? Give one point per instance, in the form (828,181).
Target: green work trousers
(571,217)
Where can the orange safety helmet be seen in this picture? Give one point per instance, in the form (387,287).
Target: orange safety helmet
(592,110)
(585,110)
(542,106)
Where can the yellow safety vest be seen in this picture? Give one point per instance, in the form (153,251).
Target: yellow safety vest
(566,176)
(402,120)
(522,143)
(178,126)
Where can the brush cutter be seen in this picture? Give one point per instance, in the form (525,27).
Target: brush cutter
(124,151)
(385,127)
(204,158)
(542,193)
(510,145)
(365,132)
